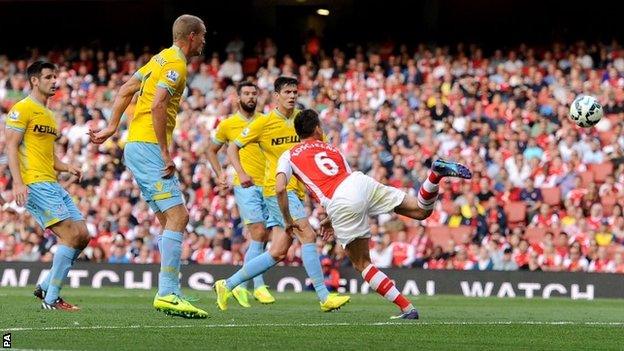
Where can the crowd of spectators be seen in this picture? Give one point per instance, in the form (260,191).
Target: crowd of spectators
(546,194)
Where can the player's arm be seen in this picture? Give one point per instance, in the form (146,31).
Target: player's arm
(159,120)
(249,135)
(122,100)
(283,174)
(61,166)
(13,140)
(234,157)
(213,148)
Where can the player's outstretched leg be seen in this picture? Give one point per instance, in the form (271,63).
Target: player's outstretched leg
(420,207)
(254,267)
(359,256)
(73,238)
(251,269)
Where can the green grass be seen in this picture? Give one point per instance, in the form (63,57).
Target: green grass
(118,319)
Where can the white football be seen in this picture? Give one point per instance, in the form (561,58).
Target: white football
(586,111)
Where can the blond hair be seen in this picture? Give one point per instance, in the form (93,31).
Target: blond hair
(185,25)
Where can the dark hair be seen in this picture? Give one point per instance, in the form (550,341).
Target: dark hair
(281,82)
(305,123)
(34,70)
(245,84)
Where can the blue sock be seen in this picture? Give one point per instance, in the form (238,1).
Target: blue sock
(46,281)
(312,265)
(170,252)
(255,249)
(178,290)
(63,259)
(250,269)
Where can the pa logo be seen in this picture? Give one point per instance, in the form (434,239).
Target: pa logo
(6,341)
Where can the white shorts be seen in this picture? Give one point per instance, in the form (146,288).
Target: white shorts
(356,198)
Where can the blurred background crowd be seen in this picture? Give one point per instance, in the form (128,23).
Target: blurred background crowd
(546,195)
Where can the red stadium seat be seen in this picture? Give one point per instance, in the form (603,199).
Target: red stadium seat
(613,249)
(586,178)
(534,235)
(607,138)
(458,234)
(516,213)
(552,196)
(447,206)
(440,236)
(601,171)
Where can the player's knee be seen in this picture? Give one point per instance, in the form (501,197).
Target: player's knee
(81,237)
(278,253)
(360,264)
(307,234)
(258,232)
(177,218)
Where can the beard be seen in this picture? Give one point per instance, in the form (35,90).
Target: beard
(249,108)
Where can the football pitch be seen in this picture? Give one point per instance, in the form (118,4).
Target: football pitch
(118,319)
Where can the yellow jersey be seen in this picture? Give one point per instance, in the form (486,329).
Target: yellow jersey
(36,152)
(166,70)
(274,133)
(251,157)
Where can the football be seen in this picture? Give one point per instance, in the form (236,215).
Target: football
(585,111)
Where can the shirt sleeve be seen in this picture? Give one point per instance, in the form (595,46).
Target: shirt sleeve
(142,73)
(17,120)
(172,76)
(251,133)
(220,138)
(283,165)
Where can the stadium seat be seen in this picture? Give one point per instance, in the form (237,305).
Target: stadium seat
(552,196)
(586,178)
(534,235)
(607,138)
(440,236)
(447,206)
(250,65)
(613,249)
(457,234)
(516,213)
(601,171)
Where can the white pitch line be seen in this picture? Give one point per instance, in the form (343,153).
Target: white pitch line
(345,324)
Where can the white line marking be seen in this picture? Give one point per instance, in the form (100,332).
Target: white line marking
(345,324)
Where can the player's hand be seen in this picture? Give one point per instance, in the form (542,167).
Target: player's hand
(20,193)
(291,225)
(100,136)
(75,171)
(327,230)
(245,180)
(170,167)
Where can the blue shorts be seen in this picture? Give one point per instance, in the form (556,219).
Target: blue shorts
(251,204)
(49,204)
(146,164)
(297,211)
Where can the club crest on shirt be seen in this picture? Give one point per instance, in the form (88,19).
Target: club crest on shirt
(14,115)
(173,76)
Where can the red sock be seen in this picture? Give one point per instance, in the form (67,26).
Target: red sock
(385,287)
(434,177)
(428,192)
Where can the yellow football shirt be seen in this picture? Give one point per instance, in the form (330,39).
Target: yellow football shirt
(251,157)
(36,152)
(274,133)
(166,70)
